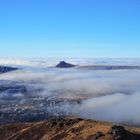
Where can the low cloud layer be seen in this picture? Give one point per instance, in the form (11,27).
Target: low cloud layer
(42,62)
(105,95)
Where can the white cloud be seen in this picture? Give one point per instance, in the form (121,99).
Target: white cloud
(112,95)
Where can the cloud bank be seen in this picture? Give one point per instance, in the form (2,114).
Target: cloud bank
(112,96)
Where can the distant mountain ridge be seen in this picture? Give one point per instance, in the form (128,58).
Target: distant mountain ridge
(109,67)
(4,69)
(63,64)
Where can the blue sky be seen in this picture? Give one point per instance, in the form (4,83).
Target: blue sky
(70,28)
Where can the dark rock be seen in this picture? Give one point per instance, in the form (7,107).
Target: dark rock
(119,133)
(63,64)
(98,135)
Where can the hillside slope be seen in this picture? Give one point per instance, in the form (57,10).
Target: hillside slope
(67,129)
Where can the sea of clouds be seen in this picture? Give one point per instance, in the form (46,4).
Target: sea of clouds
(112,95)
(44,62)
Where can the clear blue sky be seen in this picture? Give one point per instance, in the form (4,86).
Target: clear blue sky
(69,28)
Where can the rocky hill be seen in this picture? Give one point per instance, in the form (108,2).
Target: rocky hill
(4,69)
(64,64)
(68,128)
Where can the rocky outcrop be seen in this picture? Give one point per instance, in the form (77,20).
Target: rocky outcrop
(120,133)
